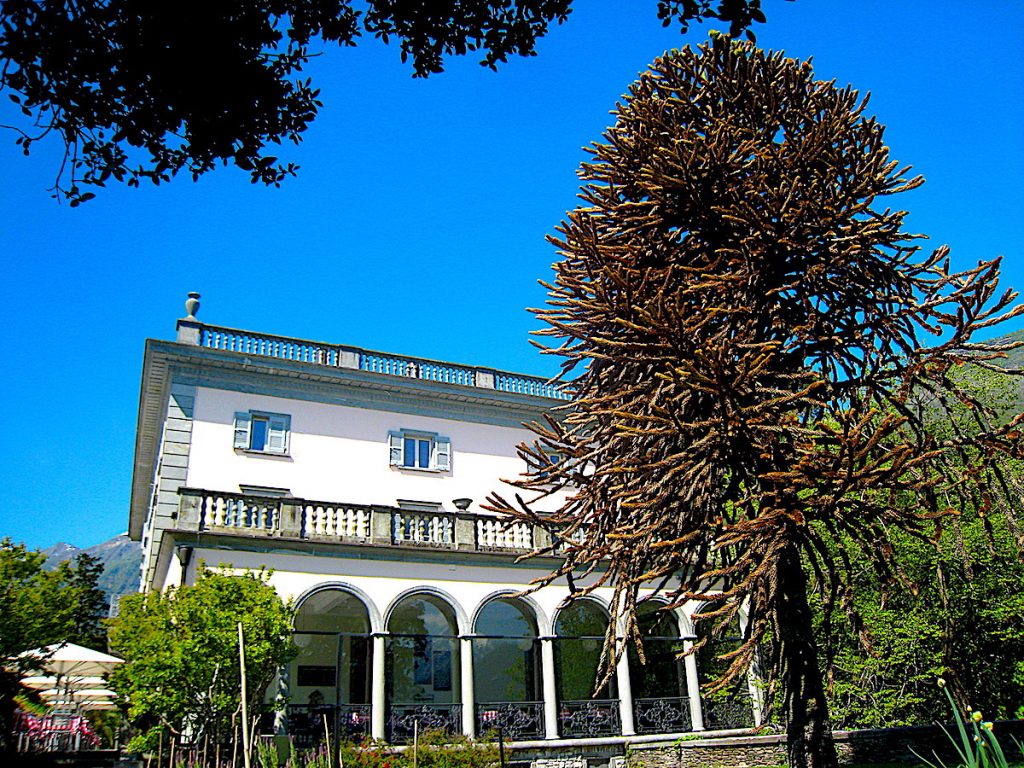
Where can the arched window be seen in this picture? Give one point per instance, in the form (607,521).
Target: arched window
(660,700)
(580,630)
(330,677)
(423,667)
(506,670)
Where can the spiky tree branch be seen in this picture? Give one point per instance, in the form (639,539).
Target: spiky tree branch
(752,335)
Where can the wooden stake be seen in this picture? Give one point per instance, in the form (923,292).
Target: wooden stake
(245,713)
(327,740)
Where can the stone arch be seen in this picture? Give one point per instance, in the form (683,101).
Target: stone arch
(540,619)
(580,627)
(567,604)
(376,621)
(463,626)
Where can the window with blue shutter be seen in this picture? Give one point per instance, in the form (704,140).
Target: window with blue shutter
(395,449)
(442,454)
(410,449)
(262,432)
(242,420)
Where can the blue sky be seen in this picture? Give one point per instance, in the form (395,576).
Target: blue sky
(417,222)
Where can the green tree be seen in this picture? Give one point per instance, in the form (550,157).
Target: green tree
(40,607)
(963,621)
(180,646)
(138,90)
(752,330)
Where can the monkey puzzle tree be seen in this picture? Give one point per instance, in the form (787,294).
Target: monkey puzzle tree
(747,325)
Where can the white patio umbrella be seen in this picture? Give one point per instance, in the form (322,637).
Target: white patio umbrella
(70,660)
(42,683)
(71,674)
(78,695)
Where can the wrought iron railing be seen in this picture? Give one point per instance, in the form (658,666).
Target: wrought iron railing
(516,720)
(307,724)
(664,715)
(404,719)
(735,711)
(589,718)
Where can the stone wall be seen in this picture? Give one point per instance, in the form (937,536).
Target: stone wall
(883,745)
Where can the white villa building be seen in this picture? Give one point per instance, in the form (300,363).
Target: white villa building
(358,478)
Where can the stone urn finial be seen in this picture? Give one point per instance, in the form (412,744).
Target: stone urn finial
(192,305)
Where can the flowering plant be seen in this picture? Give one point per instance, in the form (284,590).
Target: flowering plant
(978,746)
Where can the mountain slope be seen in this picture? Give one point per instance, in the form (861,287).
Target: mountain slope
(121,558)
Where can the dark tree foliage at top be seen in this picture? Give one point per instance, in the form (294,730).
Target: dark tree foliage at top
(142,90)
(752,333)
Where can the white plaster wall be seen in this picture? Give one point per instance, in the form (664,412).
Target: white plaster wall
(340,454)
(382,582)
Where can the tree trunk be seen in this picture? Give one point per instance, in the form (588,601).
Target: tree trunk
(808,731)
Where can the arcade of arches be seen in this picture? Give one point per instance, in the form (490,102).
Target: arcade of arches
(505,674)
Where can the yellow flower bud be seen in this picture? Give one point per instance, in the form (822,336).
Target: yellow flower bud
(942,683)
(987,726)
(976,717)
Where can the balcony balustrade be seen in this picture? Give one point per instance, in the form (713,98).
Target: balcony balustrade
(323,521)
(492,533)
(435,529)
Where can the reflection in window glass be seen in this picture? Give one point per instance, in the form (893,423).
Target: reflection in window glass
(258,434)
(506,667)
(663,675)
(333,665)
(580,629)
(423,652)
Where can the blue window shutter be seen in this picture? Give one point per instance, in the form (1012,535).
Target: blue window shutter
(443,453)
(395,448)
(277,442)
(242,429)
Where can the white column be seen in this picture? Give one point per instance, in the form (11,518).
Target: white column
(378,694)
(547,667)
(625,693)
(693,686)
(468,694)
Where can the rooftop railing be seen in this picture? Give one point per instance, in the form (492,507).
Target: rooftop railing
(337,356)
